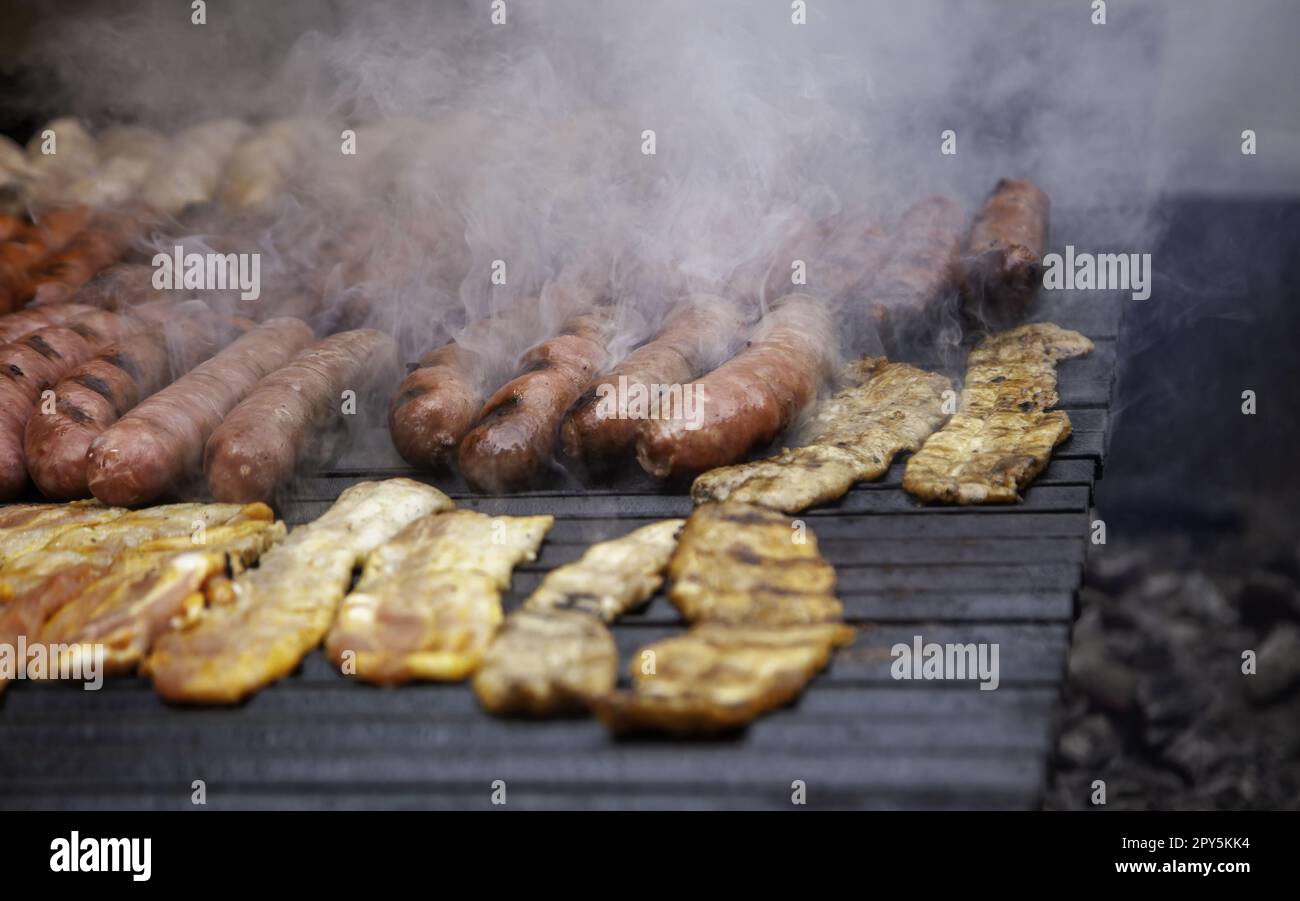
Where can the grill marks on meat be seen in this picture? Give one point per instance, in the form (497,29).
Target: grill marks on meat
(29,527)
(887,408)
(94,395)
(429,601)
(54,228)
(436,405)
(699,335)
(718,678)
(1003,435)
(293,413)
(764,618)
(86,549)
(518,426)
(15,325)
(1004,252)
(156,445)
(283,608)
(91,250)
(32,364)
(555,654)
(750,399)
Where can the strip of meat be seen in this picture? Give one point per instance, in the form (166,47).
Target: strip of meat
(38,361)
(518,426)
(718,678)
(155,446)
(919,266)
(435,406)
(153,589)
(1004,252)
(887,408)
(1003,435)
(602,428)
(740,564)
(429,601)
(749,400)
(28,527)
(14,325)
(40,582)
(555,654)
(283,608)
(97,393)
(291,414)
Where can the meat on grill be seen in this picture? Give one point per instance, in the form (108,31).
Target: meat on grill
(293,414)
(518,426)
(283,608)
(700,334)
(886,408)
(1003,434)
(98,392)
(919,265)
(436,405)
(14,325)
(749,400)
(429,601)
(155,446)
(1003,263)
(555,654)
(37,362)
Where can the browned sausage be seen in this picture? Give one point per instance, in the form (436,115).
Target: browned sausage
(1004,253)
(699,335)
(96,394)
(517,429)
(64,272)
(286,418)
(10,225)
(157,445)
(48,233)
(920,262)
(35,362)
(749,400)
(14,325)
(435,406)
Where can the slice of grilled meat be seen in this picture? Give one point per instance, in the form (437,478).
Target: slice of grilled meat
(887,408)
(1003,435)
(429,601)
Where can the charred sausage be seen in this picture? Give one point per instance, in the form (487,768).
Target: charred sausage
(749,400)
(14,325)
(34,363)
(155,446)
(281,422)
(1003,263)
(699,335)
(98,392)
(435,406)
(515,437)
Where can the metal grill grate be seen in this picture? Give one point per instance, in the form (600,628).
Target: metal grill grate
(857,738)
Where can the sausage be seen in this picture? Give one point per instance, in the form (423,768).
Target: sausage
(749,400)
(517,428)
(63,273)
(699,335)
(10,225)
(155,446)
(14,325)
(1003,264)
(280,423)
(920,262)
(96,394)
(49,233)
(35,362)
(436,405)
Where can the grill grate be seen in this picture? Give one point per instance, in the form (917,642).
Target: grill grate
(857,738)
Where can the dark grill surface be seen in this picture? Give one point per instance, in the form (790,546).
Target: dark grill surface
(857,738)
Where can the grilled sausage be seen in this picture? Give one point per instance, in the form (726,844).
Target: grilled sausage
(435,406)
(159,443)
(281,422)
(51,230)
(517,428)
(749,400)
(920,262)
(1003,265)
(94,248)
(96,394)
(35,362)
(14,325)
(698,336)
